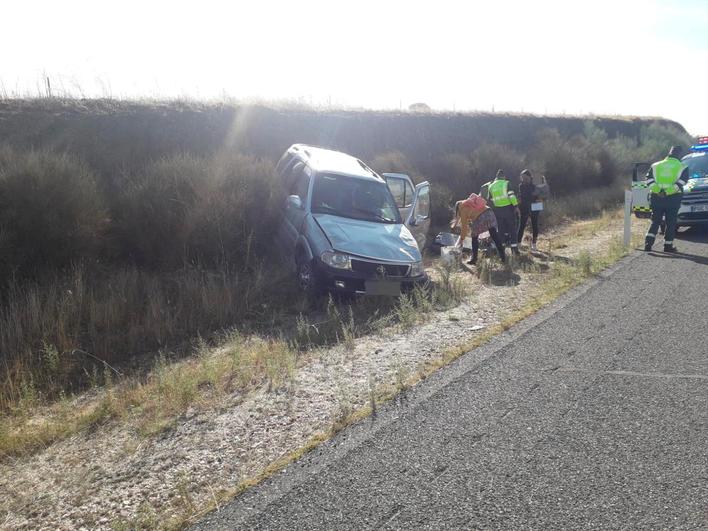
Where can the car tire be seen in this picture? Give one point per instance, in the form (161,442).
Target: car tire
(307,280)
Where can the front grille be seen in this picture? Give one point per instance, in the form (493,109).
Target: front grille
(694,198)
(376,270)
(693,216)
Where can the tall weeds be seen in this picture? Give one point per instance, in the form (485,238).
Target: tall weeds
(64,333)
(51,212)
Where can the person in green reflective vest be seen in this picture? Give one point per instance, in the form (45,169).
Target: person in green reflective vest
(506,208)
(666,179)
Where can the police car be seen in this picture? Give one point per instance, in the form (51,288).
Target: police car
(694,204)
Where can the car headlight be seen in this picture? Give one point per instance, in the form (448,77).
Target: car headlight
(336,260)
(417,269)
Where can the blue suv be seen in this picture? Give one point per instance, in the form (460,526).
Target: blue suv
(347,229)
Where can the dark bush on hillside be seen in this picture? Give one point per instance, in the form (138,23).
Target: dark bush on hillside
(488,158)
(50,212)
(655,140)
(464,174)
(394,162)
(456,172)
(184,209)
(652,144)
(572,164)
(442,202)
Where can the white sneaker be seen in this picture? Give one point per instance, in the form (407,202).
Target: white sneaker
(533,247)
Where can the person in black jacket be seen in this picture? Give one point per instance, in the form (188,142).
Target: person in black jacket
(527,196)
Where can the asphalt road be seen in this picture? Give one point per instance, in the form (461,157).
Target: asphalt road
(592,414)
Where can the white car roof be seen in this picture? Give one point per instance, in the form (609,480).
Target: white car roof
(330,161)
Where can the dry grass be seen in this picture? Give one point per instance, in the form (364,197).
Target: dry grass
(63,335)
(154,403)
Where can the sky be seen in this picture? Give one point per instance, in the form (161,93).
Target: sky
(625,57)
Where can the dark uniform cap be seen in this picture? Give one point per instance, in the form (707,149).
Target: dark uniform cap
(676,151)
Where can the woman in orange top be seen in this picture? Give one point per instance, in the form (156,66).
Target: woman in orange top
(474,216)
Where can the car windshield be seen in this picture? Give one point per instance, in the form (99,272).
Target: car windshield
(697,166)
(354,198)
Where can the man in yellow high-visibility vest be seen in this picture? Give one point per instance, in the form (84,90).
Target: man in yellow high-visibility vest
(666,179)
(506,208)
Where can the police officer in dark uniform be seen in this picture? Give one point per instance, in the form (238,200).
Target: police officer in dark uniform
(666,179)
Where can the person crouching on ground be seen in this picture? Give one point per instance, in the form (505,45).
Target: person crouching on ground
(506,208)
(527,196)
(474,216)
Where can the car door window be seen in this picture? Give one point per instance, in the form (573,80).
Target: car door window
(301,184)
(408,195)
(398,189)
(422,206)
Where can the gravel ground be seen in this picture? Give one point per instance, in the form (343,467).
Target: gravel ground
(102,478)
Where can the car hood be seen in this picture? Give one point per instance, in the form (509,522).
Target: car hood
(381,241)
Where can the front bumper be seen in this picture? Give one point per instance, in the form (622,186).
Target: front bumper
(694,208)
(364,283)
(691,222)
(686,217)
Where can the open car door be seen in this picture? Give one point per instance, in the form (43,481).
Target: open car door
(641,205)
(413,204)
(418,221)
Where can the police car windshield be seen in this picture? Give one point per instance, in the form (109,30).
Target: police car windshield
(354,198)
(697,165)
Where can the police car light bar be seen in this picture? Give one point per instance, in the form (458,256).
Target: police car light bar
(701,144)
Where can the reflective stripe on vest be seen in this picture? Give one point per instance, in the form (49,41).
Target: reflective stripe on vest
(666,173)
(498,193)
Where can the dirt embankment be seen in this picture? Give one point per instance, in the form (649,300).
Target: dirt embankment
(113,477)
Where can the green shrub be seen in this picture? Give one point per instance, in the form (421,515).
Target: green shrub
(585,203)
(217,212)
(573,164)
(656,139)
(442,205)
(455,171)
(488,158)
(394,162)
(51,213)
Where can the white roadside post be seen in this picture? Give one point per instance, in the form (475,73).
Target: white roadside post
(627,217)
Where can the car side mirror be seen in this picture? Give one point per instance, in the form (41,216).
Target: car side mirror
(294,201)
